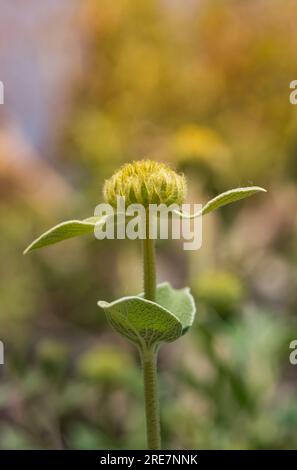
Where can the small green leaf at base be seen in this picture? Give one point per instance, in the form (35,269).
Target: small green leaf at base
(149,323)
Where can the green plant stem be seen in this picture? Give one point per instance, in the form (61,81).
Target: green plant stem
(149,355)
(149,367)
(149,263)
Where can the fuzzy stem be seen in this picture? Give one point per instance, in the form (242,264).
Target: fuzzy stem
(149,263)
(149,355)
(149,367)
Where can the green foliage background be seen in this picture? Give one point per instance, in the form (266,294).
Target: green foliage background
(204,86)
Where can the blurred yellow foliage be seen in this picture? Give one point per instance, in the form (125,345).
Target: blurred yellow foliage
(200,143)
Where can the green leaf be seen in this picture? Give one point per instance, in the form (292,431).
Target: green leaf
(223,199)
(232,195)
(68,229)
(142,321)
(178,301)
(149,323)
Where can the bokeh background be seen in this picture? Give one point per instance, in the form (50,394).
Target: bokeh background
(204,86)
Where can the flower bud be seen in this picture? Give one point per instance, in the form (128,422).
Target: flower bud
(145,182)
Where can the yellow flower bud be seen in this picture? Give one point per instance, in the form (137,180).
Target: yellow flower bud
(145,182)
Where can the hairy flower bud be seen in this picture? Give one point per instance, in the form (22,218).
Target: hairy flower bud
(145,182)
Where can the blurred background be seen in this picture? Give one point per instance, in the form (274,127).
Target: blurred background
(204,86)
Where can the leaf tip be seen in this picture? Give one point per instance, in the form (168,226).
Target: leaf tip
(258,188)
(27,250)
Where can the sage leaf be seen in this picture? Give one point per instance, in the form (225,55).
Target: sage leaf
(223,199)
(178,301)
(142,321)
(230,196)
(148,323)
(65,230)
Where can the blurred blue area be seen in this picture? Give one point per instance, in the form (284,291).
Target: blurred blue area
(39,49)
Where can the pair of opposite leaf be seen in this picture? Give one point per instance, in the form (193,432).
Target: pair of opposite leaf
(144,322)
